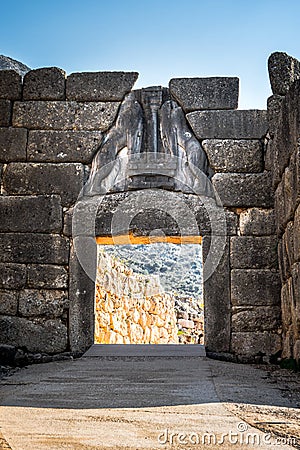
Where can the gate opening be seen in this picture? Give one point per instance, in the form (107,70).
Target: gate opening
(149,290)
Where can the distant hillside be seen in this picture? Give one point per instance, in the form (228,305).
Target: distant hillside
(7,63)
(178,266)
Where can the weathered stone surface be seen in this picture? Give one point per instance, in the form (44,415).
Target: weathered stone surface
(151,215)
(82,294)
(274,108)
(217,314)
(44,84)
(5,113)
(282,261)
(10,85)
(147,220)
(100,86)
(240,124)
(283,71)
(50,304)
(63,146)
(253,252)
(48,337)
(288,188)
(47,276)
(286,252)
(295,177)
(9,302)
(30,214)
(46,115)
(59,115)
(205,93)
(33,248)
(244,190)
(296,282)
(286,305)
(285,141)
(251,344)
(13,144)
(297,234)
(65,179)
(253,287)
(262,318)
(279,208)
(288,240)
(257,222)
(12,276)
(95,116)
(229,155)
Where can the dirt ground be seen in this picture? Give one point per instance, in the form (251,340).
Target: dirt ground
(266,398)
(282,422)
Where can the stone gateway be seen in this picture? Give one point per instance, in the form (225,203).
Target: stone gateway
(76,150)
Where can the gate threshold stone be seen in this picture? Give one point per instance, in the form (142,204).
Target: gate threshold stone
(145,350)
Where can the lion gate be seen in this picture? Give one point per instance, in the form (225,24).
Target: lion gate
(85,156)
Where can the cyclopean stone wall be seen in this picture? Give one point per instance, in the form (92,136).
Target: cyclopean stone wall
(131,308)
(283,158)
(50,128)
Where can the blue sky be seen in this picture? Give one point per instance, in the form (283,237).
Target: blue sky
(159,39)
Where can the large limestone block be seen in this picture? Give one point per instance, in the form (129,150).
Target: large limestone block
(13,144)
(48,337)
(244,190)
(217,300)
(31,214)
(65,179)
(59,115)
(205,93)
(47,303)
(10,85)
(47,83)
(46,276)
(262,318)
(33,248)
(100,86)
(232,155)
(255,343)
(62,146)
(283,71)
(253,252)
(257,222)
(255,287)
(239,124)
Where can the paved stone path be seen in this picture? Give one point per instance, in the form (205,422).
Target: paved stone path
(135,397)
